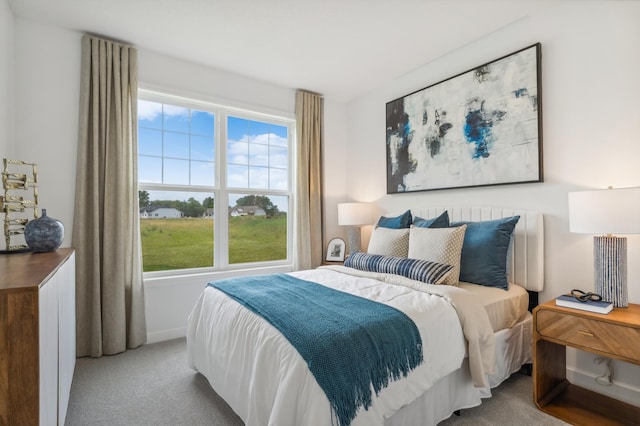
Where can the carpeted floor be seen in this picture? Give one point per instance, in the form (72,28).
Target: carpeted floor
(153,385)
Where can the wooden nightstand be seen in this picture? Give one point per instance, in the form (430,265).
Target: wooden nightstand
(615,335)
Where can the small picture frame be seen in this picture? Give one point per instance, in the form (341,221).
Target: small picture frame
(335,250)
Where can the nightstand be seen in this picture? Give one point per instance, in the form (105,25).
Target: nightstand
(615,335)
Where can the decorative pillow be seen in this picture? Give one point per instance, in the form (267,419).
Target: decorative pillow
(416,269)
(397,222)
(440,245)
(441,221)
(484,251)
(389,242)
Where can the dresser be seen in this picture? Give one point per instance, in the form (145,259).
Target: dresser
(615,335)
(37,336)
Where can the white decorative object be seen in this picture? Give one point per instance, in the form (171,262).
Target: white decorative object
(18,176)
(608,211)
(354,215)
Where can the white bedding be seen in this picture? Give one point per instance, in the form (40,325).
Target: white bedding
(504,307)
(266,382)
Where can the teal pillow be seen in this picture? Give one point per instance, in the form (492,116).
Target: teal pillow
(484,251)
(396,222)
(441,221)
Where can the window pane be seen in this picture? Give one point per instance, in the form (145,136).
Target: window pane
(278,179)
(279,157)
(278,136)
(149,142)
(257,228)
(238,176)
(259,177)
(176,229)
(203,173)
(258,132)
(150,169)
(237,152)
(202,148)
(237,129)
(176,118)
(267,149)
(258,155)
(202,123)
(149,114)
(176,172)
(176,145)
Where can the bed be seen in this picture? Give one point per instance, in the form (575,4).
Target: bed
(473,336)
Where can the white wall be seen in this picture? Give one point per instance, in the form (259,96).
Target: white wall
(590,129)
(47,75)
(6,80)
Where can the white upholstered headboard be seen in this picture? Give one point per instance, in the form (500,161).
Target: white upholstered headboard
(526,266)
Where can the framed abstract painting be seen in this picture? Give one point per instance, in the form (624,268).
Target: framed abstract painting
(481,127)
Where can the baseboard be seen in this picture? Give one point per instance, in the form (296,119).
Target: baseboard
(620,391)
(164,335)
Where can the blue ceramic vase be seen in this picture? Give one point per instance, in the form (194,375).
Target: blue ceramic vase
(44,233)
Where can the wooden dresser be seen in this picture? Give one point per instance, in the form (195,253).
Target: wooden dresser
(615,335)
(37,336)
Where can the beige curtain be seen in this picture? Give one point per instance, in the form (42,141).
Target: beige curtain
(109,294)
(308,219)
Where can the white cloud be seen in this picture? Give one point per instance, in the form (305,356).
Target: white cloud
(148,110)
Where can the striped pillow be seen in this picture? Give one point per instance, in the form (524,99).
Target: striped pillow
(415,269)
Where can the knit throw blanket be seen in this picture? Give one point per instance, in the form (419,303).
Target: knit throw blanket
(351,344)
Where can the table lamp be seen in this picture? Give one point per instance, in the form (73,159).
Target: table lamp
(607,211)
(354,215)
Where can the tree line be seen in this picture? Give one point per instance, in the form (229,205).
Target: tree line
(194,208)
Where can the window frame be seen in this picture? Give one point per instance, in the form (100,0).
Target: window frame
(220,190)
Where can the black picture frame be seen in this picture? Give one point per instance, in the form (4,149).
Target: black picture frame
(478,128)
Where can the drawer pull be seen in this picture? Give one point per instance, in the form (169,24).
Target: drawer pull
(585,333)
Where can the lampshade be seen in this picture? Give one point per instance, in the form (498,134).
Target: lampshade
(354,214)
(606,211)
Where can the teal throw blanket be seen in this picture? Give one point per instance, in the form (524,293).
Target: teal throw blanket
(350,344)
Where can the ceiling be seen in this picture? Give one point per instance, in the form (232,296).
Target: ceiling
(339,48)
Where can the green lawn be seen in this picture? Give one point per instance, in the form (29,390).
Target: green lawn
(188,242)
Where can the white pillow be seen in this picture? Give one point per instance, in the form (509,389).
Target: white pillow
(440,245)
(389,242)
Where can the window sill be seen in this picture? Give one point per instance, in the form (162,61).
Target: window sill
(171,278)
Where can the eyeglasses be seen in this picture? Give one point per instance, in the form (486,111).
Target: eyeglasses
(585,297)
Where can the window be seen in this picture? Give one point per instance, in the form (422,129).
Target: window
(214,185)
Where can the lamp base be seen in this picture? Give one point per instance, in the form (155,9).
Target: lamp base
(353,235)
(610,269)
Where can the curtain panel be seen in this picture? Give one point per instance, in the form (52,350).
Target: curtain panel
(308,202)
(106,236)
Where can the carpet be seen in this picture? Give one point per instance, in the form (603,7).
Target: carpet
(153,385)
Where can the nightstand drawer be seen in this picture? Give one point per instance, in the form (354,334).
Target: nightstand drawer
(620,341)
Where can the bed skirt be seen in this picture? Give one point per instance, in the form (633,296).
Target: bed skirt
(456,391)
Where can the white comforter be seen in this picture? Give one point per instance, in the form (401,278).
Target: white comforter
(266,382)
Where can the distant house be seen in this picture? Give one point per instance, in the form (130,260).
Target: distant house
(208,213)
(247,211)
(160,213)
